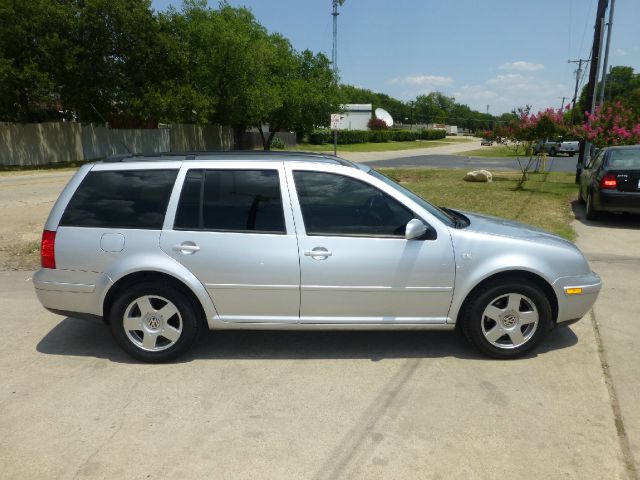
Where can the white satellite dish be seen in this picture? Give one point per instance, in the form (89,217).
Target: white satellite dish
(385,116)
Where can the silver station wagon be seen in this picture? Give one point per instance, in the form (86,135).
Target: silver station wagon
(161,246)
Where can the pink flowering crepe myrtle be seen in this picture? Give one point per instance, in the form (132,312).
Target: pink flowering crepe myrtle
(611,124)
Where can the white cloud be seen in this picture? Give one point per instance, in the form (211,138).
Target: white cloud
(510,79)
(621,52)
(522,66)
(474,93)
(423,81)
(511,90)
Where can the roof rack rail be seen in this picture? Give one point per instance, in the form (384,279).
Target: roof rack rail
(136,157)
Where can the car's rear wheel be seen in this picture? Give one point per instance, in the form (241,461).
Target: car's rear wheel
(552,152)
(153,323)
(507,320)
(591,212)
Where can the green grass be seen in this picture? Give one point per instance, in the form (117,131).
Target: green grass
(371,147)
(543,202)
(493,151)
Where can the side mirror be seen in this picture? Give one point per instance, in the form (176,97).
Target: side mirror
(415,229)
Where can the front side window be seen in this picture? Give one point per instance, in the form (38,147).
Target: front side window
(121,199)
(231,200)
(337,205)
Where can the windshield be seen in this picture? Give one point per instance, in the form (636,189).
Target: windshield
(440,214)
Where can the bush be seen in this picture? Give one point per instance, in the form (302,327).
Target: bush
(320,137)
(432,134)
(379,136)
(405,135)
(353,136)
(377,124)
(278,143)
(345,137)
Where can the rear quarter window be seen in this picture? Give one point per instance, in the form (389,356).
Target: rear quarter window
(121,199)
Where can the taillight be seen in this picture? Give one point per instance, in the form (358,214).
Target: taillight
(48,249)
(608,182)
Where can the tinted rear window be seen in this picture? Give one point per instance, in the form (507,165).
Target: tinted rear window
(624,159)
(231,200)
(121,199)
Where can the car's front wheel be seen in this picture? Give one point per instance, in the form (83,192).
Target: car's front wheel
(507,320)
(154,322)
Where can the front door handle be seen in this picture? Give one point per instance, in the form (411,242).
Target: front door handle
(188,248)
(318,252)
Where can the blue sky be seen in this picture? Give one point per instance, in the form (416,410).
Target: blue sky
(504,53)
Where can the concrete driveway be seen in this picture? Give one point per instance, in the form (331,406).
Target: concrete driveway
(612,246)
(296,405)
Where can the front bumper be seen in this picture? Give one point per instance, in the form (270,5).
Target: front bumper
(576,295)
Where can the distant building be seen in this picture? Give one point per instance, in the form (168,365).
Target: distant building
(450,129)
(355,116)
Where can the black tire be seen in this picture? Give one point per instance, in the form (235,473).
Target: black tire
(571,154)
(552,152)
(476,326)
(591,212)
(182,327)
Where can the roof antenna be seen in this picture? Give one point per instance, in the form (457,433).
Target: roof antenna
(107,125)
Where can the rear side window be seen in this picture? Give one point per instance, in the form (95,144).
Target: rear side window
(231,200)
(121,199)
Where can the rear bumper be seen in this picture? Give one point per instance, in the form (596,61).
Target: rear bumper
(614,201)
(572,306)
(65,291)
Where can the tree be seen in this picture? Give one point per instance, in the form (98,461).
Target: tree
(36,53)
(622,85)
(526,129)
(611,124)
(308,95)
(115,59)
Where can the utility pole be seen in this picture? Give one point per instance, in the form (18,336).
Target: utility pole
(603,82)
(580,61)
(596,52)
(334,51)
(334,59)
(562,105)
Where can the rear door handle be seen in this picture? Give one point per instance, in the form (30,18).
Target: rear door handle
(188,248)
(318,252)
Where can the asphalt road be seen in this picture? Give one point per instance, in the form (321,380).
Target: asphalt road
(555,164)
